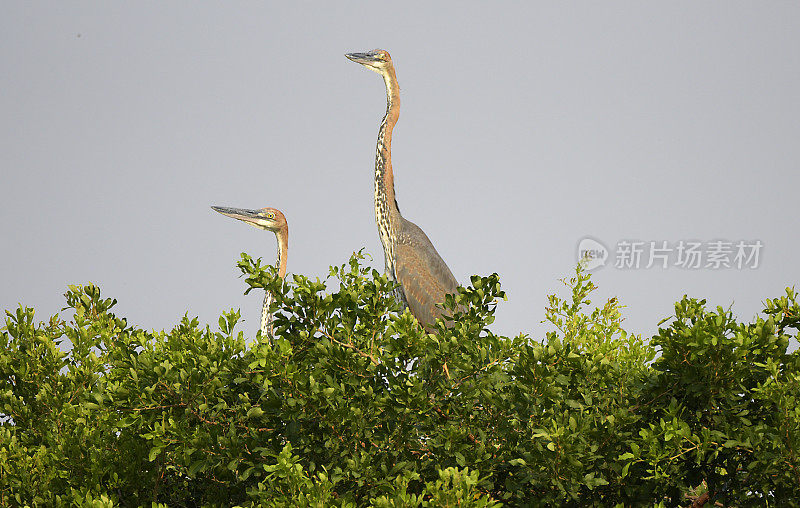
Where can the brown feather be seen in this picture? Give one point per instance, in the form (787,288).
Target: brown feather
(423,275)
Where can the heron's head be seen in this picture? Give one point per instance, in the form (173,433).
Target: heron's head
(270,219)
(377,60)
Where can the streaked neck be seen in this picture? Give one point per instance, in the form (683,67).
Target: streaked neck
(384,176)
(283,250)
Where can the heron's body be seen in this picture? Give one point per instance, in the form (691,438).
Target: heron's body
(269,219)
(410,257)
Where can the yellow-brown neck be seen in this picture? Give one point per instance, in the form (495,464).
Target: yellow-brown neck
(283,250)
(282,236)
(386,211)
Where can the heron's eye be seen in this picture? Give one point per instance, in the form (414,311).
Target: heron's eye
(270,215)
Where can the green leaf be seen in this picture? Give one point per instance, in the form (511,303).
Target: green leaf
(154,452)
(197,466)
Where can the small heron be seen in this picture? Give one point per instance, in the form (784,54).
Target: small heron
(268,219)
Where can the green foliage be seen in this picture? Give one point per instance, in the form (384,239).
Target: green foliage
(354,404)
(724,409)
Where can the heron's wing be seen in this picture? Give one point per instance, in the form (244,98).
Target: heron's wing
(423,275)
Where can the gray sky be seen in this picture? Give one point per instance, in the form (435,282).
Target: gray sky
(524,127)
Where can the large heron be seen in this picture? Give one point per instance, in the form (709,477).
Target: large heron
(411,260)
(268,219)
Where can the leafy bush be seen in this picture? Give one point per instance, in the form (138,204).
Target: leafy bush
(354,404)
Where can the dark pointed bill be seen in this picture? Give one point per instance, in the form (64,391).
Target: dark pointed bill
(362,58)
(239,213)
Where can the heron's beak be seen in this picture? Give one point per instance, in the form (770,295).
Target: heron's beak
(362,58)
(254,217)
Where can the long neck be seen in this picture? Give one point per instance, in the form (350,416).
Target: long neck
(386,211)
(384,177)
(283,249)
